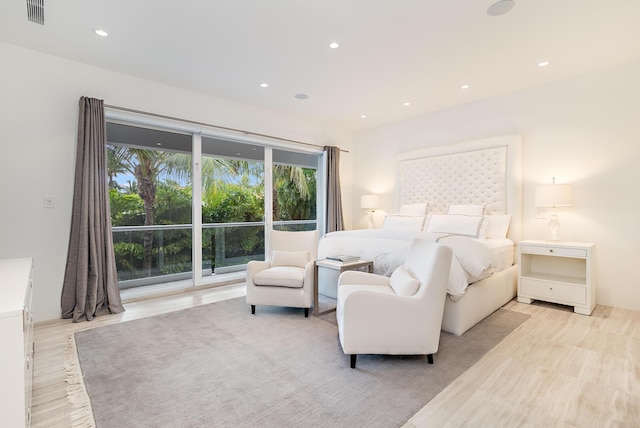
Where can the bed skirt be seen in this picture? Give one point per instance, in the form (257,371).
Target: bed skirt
(480,300)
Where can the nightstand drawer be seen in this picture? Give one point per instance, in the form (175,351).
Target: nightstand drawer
(553,251)
(553,292)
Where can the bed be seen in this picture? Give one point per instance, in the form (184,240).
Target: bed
(440,192)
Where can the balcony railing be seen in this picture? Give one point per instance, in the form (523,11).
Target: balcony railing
(147,255)
(167,252)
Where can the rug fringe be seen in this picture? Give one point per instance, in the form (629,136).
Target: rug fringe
(81,412)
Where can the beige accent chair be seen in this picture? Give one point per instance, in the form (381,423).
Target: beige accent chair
(397,315)
(286,277)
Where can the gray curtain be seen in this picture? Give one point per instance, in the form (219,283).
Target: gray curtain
(90,285)
(334,217)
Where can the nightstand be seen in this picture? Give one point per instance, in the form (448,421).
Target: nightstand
(558,272)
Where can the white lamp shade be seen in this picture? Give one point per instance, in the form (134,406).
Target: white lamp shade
(554,195)
(369,201)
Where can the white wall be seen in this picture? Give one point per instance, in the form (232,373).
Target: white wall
(584,131)
(38,131)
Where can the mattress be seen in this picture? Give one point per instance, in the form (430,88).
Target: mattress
(474,259)
(502,255)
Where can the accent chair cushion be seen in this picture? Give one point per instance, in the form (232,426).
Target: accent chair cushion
(280,276)
(403,283)
(289,258)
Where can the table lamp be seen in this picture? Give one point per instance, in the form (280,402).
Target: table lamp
(554,196)
(370,203)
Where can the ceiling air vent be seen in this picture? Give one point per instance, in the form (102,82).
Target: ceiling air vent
(35,11)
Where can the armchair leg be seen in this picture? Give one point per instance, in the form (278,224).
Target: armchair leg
(353,360)
(306,312)
(253,309)
(430,358)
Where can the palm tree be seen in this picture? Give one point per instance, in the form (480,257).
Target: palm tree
(147,166)
(288,177)
(216,170)
(115,164)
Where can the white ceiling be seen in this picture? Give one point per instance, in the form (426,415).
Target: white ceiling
(392,51)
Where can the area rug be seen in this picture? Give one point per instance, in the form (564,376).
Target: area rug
(219,366)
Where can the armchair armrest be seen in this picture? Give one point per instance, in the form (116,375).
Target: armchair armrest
(253,267)
(309,277)
(357,277)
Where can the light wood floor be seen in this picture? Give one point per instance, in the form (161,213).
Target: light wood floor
(558,369)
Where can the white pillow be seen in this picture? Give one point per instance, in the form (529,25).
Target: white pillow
(466,209)
(465,225)
(413,209)
(403,223)
(403,283)
(289,258)
(497,226)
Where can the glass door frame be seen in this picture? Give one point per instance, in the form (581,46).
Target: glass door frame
(198,131)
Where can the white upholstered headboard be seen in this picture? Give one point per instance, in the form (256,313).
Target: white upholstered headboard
(486,172)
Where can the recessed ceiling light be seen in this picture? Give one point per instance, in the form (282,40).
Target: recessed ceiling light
(264,85)
(500,7)
(407,104)
(363,116)
(301,96)
(101,33)
(334,45)
(543,63)
(464,87)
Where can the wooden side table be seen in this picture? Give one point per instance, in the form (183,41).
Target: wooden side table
(337,266)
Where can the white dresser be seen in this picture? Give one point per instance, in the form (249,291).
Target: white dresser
(559,272)
(16,337)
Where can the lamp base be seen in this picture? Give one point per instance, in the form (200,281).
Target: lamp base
(370,219)
(554,227)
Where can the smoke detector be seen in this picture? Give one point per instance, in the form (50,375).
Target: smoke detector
(500,7)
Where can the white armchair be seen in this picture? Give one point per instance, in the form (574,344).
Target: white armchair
(397,315)
(286,277)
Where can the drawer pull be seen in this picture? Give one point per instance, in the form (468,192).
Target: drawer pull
(551,250)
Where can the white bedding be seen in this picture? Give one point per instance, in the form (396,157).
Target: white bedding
(474,259)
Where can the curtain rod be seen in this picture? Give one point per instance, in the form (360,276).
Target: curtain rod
(193,122)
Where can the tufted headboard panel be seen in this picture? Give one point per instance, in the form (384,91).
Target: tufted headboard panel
(487,172)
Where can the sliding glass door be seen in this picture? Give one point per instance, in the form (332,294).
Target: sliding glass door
(171,192)
(232,204)
(151,204)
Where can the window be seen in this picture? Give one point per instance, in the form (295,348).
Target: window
(294,190)
(150,198)
(151,179)
(232,205)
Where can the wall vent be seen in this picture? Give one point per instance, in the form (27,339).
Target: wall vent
(35,11)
